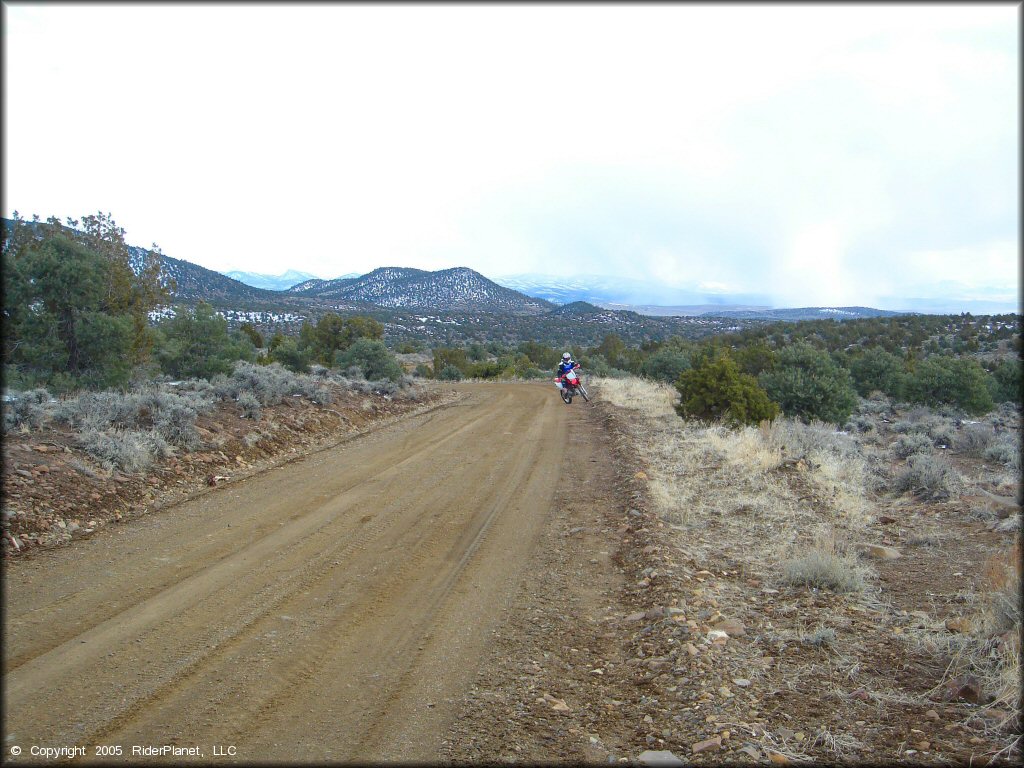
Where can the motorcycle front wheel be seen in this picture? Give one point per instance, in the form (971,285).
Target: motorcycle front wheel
(584,393)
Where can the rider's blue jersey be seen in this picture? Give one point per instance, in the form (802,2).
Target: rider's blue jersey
(564,368)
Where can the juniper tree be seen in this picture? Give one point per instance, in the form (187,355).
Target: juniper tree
(42,261)
(955,381)
(807,384)
(715,389)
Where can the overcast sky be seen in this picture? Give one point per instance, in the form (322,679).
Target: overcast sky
(823,155)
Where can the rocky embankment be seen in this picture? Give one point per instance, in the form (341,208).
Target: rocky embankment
(54,491)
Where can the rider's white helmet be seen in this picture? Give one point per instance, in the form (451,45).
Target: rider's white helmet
(567,357)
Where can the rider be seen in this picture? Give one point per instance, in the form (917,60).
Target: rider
(567,364)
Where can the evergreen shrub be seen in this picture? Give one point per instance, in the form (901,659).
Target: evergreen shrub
(716,390)
(807,384)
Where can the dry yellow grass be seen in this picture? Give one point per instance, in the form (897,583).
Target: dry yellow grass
(704,473)
(783,504)
(652,400)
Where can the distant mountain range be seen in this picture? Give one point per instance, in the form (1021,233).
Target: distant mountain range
(604,290)
(653,300)
(281,282)
(656,300)
(803,313)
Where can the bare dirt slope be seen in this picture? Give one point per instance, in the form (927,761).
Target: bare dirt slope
(335,608)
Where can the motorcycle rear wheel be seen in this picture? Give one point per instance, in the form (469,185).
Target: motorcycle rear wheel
(566,397)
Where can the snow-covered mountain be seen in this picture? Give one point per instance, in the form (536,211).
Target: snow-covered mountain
(271,282)
(454,289)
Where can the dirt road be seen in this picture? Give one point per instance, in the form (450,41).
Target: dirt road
(334,608)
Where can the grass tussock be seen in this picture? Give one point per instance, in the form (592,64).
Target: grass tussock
(127,449)
(905,446)
(930,478)
(973,440)
(822,569)
(825,566)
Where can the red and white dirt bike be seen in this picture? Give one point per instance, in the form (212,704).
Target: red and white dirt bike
(569,384)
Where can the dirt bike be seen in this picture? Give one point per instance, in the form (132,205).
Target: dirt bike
(569,384)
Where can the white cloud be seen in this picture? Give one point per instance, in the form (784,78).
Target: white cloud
(984,271)
(811,269)
(691,144)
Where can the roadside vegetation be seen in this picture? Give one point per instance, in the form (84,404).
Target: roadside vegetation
(811,370)
(132,429)
(875,563)
(81,313)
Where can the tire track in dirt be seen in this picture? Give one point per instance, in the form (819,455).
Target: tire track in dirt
(200,556)
(265,694)
(349,588)
(157,627)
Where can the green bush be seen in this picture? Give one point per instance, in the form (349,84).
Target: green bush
(292,356)
(543,357)
(58,319)
(954,381)
(876,370)
(196,343)
(76,302)
(444,357)
(755,358)
(716,390)
(333,334)
(450,373)
(372,357)
(665,365)
(1006,382)
(807,384)
(489,369)
(254,336)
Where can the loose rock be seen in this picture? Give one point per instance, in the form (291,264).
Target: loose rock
(877,551)
(712,743)
(659,757)
(731,627)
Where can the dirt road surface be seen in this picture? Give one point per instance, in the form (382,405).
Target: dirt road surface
(336,608)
